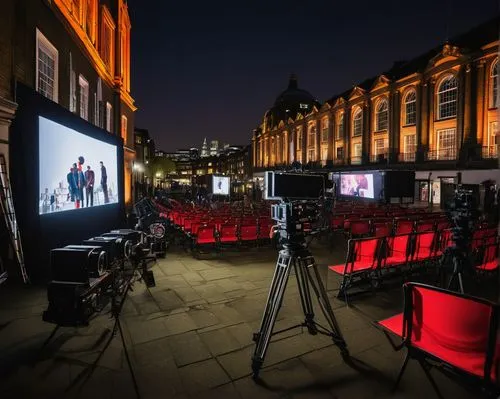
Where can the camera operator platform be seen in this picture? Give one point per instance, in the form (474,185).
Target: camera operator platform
(291,217)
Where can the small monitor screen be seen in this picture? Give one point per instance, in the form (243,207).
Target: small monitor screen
(357,185)
(76,171)
(220,185)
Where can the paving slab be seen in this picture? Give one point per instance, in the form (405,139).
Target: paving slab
(202,376)
(188,348)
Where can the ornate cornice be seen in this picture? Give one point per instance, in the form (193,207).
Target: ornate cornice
(7,111)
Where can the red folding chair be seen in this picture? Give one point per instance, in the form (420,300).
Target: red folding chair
(404,227)
(453,332)
(425,245)
(396,251)
(362,258)
(489,259)
(228,233)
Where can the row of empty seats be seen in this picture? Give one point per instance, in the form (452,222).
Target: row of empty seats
(371,258)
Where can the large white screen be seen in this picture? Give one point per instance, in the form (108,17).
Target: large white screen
(220,185)
(60,190)
(357,185)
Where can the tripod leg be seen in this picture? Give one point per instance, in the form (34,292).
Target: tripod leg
(305,294)
(274,301)
(136,387)
(319,289)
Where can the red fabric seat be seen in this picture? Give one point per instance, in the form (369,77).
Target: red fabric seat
(362,255)
(359,228)
(228,233)
(396,250)
(394,324)
(206,235)
(424,246)
(404,227)
(489,261)
(455,329)
(249,232)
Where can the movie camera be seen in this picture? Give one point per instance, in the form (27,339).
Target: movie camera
(303,204)
(86,276)
(149,221)
(463,213)
(297,215)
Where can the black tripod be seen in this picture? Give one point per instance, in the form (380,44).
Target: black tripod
(116,309)
(461,265)
(296,255)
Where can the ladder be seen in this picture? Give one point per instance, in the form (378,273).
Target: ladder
(7,208)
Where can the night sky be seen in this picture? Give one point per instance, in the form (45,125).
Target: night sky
(212,69)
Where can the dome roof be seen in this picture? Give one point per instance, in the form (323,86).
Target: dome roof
(290,102)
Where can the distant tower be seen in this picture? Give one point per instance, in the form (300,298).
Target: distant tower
(204,148)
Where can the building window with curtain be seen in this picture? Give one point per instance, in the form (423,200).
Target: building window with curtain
(447,97)
(47,68)
(107,40)
(380,147)
(381,116)
(446,145)
(409,147)
(357,123)
(494,85)
(410,108)
(84,97)
(324,130)
(340,127)
(123,129)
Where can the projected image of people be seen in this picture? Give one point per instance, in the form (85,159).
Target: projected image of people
(76,171)
(357,185)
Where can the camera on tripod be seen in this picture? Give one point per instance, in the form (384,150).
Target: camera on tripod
(299,212)
(85,276)
(463,213)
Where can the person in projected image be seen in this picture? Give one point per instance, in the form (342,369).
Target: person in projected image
(89,185)
(104,182)
(72,178)
(80,184)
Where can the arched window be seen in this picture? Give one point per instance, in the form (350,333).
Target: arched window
(410,110)
(357,123)
(324,130)
(447,97)
(494,84)
(381,117)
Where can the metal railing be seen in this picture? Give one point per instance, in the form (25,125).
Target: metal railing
(447,154)
(490,152)
(355,160)
(406,157)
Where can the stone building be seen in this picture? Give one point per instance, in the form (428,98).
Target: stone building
(435,112)
(77,54)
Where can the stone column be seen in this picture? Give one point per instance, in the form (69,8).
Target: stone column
(304,142)
(331,139)
(347,134)
(422,120)
(461,100)
(394,126)
(481,128)
(366,138)
(317,148)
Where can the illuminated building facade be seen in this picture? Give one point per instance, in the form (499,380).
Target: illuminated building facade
(437,111)
(77,54)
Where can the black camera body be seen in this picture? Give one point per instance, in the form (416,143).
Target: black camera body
(463,213)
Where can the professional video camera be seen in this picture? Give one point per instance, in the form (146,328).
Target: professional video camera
(303,204)
(463,213)
(150,222)
(85,276)
(298,214)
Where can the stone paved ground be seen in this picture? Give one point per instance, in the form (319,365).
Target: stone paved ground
(191,337)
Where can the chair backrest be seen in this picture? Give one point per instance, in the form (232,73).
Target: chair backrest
(206,232)
(424,226)
(404,226)
(424,245)
(382,229)
(398,245)
(438,320)
(360,227)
